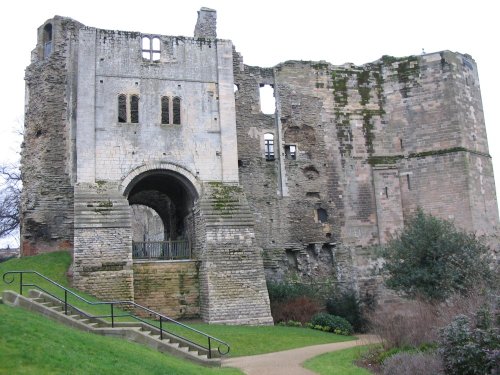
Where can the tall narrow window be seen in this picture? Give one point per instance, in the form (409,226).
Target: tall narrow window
(134,109)
(408,181)
(146,48)
(322,215)
(155,49)
(122,108)
(151,49)
(269,146)
(165,110)
(176,104)
(47,40)
(267,101)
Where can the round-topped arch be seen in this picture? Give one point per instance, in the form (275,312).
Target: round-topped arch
(171,191)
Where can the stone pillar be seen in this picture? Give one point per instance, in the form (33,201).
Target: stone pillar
(232,281)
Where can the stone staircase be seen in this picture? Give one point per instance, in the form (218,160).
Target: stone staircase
(138,332)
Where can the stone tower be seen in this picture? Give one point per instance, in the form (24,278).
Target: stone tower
(122,118)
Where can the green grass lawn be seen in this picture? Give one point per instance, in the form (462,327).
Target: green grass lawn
(33,344)
(338,363)
(244,340)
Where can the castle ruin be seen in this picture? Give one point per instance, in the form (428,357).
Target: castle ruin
(149,158)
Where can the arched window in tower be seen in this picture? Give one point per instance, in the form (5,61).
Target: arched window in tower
(122,108)
(269,146)
(134,109)
(176,109)
(165,110)
(151,49)
(47,40)
(322,215)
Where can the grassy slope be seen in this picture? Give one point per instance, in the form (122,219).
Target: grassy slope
(33,344)
(243,340)
(338,363)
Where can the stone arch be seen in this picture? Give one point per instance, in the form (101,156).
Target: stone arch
(172,192)
(183,174)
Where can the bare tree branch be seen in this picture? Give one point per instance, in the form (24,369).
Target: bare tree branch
(10,195)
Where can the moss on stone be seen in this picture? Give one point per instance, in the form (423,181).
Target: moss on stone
(224,197)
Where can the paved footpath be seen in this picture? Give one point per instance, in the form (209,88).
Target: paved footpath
(289,362)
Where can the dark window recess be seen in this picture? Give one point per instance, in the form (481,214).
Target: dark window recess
(165,110)
(47,40)
(322,215)
(290,152)
(122,108)
(269,146)
(313,194)
(176,104)
(408,181)
(134,109)
(386,191)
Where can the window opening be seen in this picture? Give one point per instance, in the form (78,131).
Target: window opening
(386,191)
(269,146)
(47,40)
(134,109)
(290,152)
(322,215)
(176,104)
(151,48)
(408,181)
(267,101)
(122,108)
(165,110)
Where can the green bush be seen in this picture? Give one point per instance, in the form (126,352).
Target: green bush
(433,259)
(285,291)
(471,349)
(332,323)
(347,306)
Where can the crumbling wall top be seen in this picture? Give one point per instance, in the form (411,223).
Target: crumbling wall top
(206,26)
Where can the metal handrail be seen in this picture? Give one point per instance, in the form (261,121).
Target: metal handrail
(162,318)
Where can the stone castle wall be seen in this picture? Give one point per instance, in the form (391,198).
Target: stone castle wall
(356,150)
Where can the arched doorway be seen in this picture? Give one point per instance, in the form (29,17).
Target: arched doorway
(166,196)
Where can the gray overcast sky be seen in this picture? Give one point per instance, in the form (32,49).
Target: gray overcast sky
(269,32)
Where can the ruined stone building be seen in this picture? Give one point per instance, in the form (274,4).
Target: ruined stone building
(223,195)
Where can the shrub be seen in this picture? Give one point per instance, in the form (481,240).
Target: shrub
(469,349)
(285,291)
(333,323)
(299,309)
(347,305)
(410,325)
(407,363)
(433,259)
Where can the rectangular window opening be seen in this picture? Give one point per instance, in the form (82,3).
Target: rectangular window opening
(134,109)
(291,152)
(176,104)
(165,110)
(408,181)
(267,101)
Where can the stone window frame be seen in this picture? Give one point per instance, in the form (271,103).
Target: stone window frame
(269,152)
(171,114)
(128,108)
(149,50)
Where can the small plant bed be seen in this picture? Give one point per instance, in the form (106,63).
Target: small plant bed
(33,344)
(342,362)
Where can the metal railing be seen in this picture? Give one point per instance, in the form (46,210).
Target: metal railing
(222,347)
(167,250)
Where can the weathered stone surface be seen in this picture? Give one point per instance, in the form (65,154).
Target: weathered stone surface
(118,118)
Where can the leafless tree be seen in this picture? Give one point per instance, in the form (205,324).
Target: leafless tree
(10,195)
